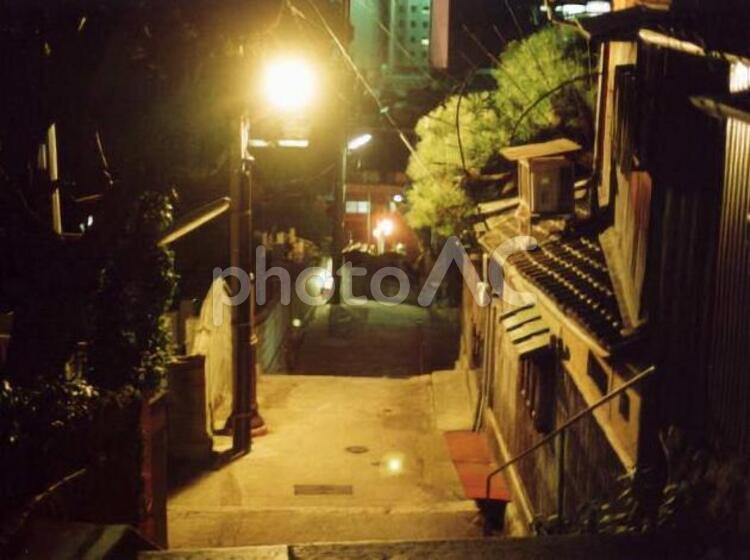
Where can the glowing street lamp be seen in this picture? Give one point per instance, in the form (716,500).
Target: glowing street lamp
(357,142)
(289,84)
(339,198)
(384,229)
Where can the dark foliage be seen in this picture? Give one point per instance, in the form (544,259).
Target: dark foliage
(129,342)
(704,498)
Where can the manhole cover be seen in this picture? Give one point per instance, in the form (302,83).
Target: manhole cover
(357,449)
(323,490)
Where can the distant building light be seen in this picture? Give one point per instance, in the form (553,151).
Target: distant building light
(296,323)
(590,8)
(425,42)
(739,77)
(90,221)
(570,10)
(598,7)
(398,198)
(357,207)
(293,143)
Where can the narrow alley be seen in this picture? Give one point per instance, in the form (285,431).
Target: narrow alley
(374,339)
(346,458)
(375,280)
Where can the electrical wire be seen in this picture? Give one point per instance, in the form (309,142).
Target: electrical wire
(544,96)
(370,90)
(499,34)
(494,59)
(525,45)
(461,93)
(406,51)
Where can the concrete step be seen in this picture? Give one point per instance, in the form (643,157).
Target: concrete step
(570,547)
(452,402)
(243,526)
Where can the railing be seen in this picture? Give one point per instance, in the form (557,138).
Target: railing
(4,342)
(560,432)
(51,503)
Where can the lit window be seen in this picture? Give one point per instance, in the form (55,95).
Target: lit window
(357,207)
(425,42)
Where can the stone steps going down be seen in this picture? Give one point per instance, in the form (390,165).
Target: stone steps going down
(625,547)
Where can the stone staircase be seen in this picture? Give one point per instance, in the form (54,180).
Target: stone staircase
(576,547)
(244,526)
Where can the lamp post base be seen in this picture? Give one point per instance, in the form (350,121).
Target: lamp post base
(258,426)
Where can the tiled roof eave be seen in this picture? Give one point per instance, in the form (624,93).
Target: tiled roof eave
(575,286)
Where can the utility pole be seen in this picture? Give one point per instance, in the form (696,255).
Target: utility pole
(246,415)
(48,162)
(240,183)
(339,192)
(337,246)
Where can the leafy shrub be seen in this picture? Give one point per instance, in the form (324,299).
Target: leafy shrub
(527,71)
(130,343)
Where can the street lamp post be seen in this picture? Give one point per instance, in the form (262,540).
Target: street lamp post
(339,201)
(288,87)
(246,409)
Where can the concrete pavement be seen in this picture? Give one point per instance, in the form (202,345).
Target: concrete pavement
(346,459)
(378,340)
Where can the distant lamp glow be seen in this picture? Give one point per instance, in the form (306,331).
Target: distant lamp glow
(293,143)
(359,141)
(258,143)
(399,198)
(386,227)
(289,84)
(296,323)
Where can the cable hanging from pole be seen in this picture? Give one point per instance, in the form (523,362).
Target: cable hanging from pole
(370,90)
(544,96)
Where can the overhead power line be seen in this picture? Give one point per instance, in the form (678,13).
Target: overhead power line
(383,27)
(370,90)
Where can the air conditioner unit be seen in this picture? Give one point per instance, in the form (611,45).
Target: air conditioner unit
(545,185)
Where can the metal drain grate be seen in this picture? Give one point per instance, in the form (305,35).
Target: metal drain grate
(323,490)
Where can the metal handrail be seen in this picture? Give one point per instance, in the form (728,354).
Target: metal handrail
(565,425)
(20,521)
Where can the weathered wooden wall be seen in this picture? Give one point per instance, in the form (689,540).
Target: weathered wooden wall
(591,466)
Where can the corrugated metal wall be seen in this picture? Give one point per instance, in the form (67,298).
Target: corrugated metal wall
(682,149)
(729,362)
